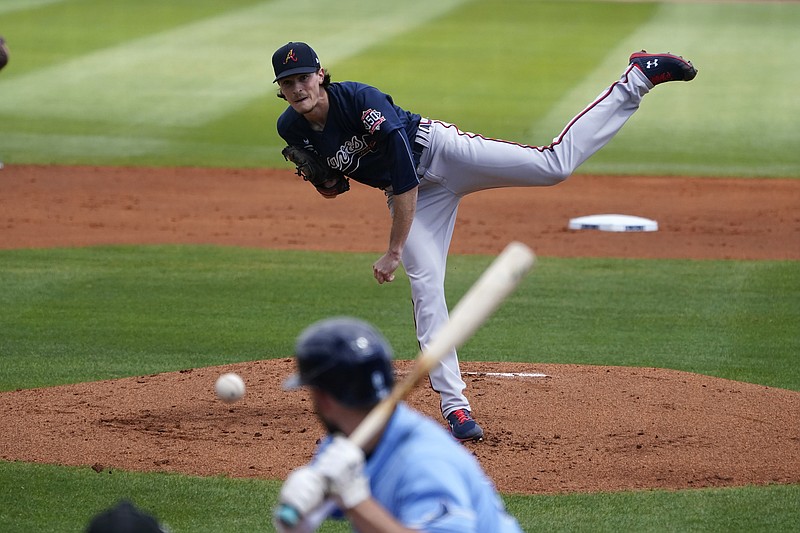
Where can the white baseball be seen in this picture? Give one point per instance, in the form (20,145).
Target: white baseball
(229,387)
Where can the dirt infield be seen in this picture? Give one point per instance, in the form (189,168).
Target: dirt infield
(580,428)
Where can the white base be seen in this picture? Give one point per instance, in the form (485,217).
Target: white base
(613,223)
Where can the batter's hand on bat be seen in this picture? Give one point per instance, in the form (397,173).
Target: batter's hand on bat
(302,492)
(383,269)
(342,466)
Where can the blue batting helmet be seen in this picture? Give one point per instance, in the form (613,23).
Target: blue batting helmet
(347,358)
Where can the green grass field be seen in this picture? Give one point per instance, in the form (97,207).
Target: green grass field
(73,315)
(189,83)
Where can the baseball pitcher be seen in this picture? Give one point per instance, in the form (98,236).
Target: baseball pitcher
(349,130)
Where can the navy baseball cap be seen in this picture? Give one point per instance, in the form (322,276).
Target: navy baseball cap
(294,58)
(346,357)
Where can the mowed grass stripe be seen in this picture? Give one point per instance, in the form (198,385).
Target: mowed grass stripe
(198,72)
(9,6)
(704,124)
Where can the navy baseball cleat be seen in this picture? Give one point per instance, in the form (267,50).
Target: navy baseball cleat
(463,427)
(663,67)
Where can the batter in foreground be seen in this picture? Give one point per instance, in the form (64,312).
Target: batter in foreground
(425,167)
(410,477)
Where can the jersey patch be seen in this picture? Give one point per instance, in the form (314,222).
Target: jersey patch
(372,120)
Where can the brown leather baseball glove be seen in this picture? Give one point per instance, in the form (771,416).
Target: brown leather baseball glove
(311,167)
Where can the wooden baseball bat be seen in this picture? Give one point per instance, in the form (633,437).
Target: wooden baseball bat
(474,308)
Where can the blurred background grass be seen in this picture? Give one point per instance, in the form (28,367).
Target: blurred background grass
(190,83)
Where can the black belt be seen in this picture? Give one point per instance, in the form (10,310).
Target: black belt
(423,129)
(416,152)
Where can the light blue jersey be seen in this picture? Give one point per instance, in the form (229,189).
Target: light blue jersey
(429,481)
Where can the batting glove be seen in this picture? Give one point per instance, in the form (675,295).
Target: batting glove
(342,466)
(303,490)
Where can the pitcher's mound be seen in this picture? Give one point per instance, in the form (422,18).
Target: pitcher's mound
(576,429)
